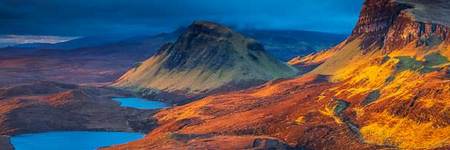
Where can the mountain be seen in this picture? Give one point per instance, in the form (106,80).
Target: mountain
(206,58)
(385,87)
(287,44)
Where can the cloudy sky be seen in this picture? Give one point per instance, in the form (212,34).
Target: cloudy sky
(93,17)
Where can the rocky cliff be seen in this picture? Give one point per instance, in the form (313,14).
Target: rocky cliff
(206,58)
(394,24)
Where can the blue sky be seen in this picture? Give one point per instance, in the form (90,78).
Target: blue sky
(72,18)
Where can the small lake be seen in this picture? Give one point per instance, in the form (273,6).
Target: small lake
(72,140)
(140,103)
(84,140)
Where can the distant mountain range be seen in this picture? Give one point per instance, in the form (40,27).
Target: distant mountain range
(127,51)
(97,53)
(287,44)
(283,44)
(88,41)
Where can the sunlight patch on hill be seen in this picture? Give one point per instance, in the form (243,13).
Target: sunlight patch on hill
(405,133)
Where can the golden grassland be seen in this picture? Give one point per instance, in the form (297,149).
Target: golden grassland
(413,100)
(185,112)
(405,133)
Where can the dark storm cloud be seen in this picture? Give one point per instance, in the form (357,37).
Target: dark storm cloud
(88,17)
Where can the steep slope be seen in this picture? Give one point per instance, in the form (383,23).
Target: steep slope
(206,58)
(385,87)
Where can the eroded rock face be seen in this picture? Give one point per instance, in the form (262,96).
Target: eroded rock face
(405,30)
(375,19)
(391,24)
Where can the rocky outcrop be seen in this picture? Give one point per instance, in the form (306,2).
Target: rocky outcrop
(375,20)
(205,59)
(390,25)
(405,30)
